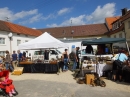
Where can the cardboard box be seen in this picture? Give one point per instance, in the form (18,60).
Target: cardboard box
(17,71)
(89,77)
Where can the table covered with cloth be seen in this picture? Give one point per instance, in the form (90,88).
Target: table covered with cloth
(40,68)
(103,67)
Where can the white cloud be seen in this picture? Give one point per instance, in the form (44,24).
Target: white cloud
(52,25)
(72,21)
(100,14)
(64,11)
(23,14)
(35,18)
(50,16)
(5,12)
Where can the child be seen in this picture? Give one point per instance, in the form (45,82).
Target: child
(5,82)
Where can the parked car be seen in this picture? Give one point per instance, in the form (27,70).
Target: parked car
(53,54)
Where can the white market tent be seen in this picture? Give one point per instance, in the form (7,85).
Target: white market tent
(43,41)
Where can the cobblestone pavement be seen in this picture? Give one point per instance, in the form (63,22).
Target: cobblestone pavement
(63,85)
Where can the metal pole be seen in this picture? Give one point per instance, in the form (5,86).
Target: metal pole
(127,47)
(10,46)
(126,42)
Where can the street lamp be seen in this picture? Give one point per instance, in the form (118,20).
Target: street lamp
(64,38)
(10,35)
(72,33)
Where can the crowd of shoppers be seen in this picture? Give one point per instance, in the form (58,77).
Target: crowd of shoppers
(66,58)
(12,61)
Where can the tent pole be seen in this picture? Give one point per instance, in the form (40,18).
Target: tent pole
(127,47)
(81,62)
(112,49)
(126,41)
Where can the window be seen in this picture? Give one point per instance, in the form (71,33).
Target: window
(18,42)
(2,53)
(53,52)
(113,27)
(117,25)
(120,35)
(2,40)
(114,36)
(129,24)
(26,40)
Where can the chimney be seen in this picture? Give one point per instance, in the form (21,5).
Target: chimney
(124,11)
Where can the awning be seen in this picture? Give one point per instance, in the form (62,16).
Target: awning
(102,41)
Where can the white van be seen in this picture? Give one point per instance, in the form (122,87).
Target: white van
(53,54)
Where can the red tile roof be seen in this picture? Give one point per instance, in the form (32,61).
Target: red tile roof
(7,26)
(79,31)
(110,20)
(121,19)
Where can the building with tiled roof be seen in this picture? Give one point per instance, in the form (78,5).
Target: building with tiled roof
(15,28)
(121,26)
(110,20)
(20,34)
(81,31)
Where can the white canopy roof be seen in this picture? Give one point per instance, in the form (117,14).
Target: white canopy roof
(43,41)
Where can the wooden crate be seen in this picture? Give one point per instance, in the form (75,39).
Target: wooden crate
(17,71)
(89,77)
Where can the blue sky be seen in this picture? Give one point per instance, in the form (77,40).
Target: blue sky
(56,13)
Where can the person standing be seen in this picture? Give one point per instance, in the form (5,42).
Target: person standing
(46,55)
(116,69)
(65,58)
(77,56)
(8,61)
(75,60)
(89,49)
(19,56)
(14,60)
(61,64)
(24,56)
(106,50)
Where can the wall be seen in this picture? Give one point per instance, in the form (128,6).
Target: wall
(127,30)
(117,36)
(6,46)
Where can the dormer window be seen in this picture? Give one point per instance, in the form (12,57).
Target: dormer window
(113,27)
(117,25)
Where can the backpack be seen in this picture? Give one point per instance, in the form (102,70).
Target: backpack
(72,56)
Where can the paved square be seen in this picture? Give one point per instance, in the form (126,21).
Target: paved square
(63,85)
